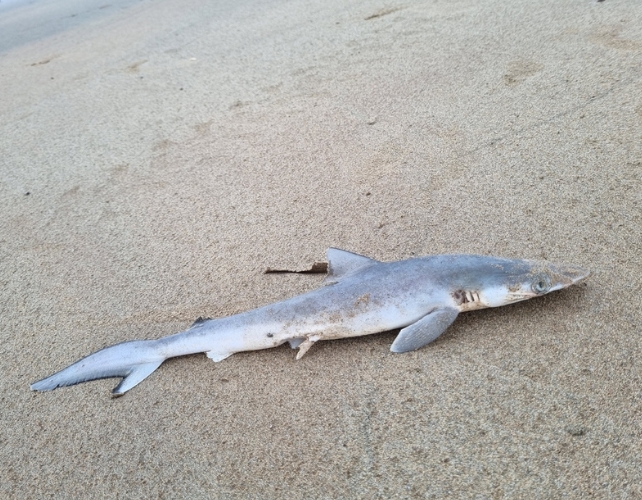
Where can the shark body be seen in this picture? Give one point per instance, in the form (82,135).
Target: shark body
(421,296)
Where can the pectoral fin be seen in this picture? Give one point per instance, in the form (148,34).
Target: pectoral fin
(425,330)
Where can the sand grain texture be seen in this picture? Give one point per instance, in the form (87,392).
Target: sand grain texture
(157,157)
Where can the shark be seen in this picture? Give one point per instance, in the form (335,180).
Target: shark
(420,296)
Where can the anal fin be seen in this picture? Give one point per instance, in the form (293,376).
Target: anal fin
(305,346)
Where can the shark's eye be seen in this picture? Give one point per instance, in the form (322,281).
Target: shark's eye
(541,284)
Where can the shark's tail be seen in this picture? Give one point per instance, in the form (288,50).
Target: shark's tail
(134,361)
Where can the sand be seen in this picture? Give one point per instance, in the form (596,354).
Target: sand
(157,157)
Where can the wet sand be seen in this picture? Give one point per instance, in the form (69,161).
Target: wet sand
(157,157)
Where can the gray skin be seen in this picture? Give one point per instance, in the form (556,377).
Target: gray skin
(422,296)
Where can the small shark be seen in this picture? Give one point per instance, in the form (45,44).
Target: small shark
(421,296)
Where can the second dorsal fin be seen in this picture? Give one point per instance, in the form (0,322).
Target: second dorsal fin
(342,263)
(199,320)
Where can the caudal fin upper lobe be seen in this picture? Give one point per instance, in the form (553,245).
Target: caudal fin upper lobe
(133,361)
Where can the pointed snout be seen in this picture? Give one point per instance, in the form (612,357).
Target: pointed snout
(570,275)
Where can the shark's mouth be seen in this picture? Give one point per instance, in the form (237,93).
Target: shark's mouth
(517,296)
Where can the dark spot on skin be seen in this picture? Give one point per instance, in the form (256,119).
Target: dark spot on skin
(270,335)
(460,297)
(363,300)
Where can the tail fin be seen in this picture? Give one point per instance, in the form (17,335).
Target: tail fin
(134,361)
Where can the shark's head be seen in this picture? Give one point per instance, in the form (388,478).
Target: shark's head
(525,279)
(493,282)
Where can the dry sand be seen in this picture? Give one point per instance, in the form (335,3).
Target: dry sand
(156,157)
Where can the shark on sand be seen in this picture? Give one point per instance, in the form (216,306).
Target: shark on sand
(421,296)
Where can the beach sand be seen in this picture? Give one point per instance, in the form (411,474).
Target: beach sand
(157,157)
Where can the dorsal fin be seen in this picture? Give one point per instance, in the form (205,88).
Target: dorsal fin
(342,263)
(199,320)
